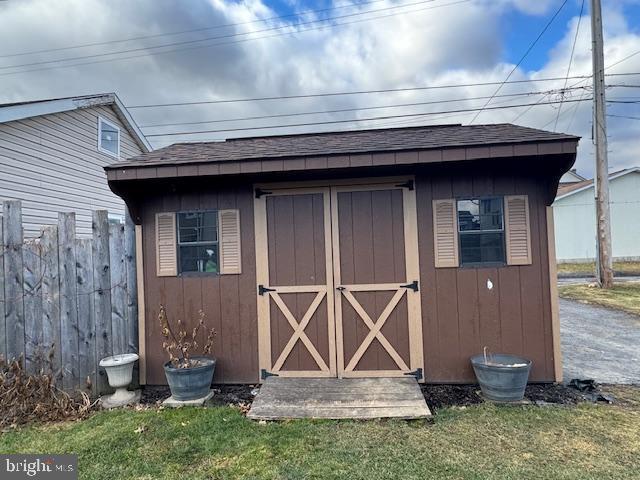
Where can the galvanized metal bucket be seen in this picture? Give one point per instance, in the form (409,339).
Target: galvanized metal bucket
(502,377)
(190,383)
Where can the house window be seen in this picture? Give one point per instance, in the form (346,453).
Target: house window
(481,231)
(198,241)
(108,138)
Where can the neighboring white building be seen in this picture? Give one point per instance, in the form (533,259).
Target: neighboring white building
(52,154)
(575,218)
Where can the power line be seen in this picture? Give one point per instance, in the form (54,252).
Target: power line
(573,48)
(194,30)
(533,44)
(385,117)
(232,35)
(343,110)
(623,116)
(363,92)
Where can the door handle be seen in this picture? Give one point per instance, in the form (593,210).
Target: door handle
(341,288)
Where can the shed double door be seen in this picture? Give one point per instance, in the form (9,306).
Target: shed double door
(338,281)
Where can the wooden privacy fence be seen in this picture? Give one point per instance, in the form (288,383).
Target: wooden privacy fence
(73,297)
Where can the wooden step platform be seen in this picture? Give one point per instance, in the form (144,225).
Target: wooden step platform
(361,398)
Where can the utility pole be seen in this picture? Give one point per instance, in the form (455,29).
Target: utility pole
(603,215)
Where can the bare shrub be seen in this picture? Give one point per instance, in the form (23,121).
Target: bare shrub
(181,345)
(26,397)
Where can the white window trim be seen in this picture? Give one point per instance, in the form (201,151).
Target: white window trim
(113,125)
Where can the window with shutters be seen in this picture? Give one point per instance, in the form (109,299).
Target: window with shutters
(198,241)
(481,231)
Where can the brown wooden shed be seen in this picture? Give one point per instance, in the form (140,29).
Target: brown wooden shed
(352,254)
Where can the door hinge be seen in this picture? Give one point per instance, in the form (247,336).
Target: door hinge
(262,289)
(260,192)
(416,373)
(413,286)
(408,184)
(264,374)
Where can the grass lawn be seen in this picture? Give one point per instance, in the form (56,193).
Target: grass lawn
(480,442)
(590,268)
(623,296)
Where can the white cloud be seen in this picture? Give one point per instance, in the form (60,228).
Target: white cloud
(461,43)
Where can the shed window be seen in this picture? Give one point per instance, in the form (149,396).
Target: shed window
(198,241)
(481,231)
(108,138)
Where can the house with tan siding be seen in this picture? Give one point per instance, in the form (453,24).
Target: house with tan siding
(53,153)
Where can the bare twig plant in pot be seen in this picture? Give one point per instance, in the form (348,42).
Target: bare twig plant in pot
(189,374)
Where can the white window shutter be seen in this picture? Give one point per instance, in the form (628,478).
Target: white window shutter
(166,248)
(518,231)
(445,233)
(229,242)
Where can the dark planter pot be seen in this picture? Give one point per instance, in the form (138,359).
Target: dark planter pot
(503,378)
(190,383)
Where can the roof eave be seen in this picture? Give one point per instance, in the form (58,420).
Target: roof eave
(611,177)
(47,107)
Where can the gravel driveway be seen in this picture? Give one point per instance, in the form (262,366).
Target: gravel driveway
(599,343)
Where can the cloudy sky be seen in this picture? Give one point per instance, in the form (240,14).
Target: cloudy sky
(174,51)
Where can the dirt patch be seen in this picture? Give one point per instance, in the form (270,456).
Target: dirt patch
(441,396)
(224,395)
(552,393)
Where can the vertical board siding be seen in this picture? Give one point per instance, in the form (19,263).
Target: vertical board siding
(461,315)
(42,158)
(58,297)
(228,301)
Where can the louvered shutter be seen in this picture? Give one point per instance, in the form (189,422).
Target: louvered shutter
(445,233)
(518,232)
(229,242)
(166,249)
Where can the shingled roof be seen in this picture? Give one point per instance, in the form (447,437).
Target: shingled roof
(345,142)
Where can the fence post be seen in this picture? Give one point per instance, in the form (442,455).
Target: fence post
(51,297)
(68,300)
(102,287)
(13,277)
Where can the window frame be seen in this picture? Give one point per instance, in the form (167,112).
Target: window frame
(102,120)
(196,244)
(459,233)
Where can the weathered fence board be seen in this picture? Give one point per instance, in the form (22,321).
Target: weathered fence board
(51,335)
(3,325)
(13,277)
(132,285)
(102,290)
(67,302)
(68,299)
(118,288)
(87,360)
(32,305)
